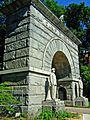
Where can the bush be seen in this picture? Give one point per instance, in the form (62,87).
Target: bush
(46,114)
(7,100)
(61,115)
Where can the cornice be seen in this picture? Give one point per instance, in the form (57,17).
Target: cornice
(12,7)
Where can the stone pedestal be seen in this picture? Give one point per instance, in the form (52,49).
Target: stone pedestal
(54,105)
(81,101)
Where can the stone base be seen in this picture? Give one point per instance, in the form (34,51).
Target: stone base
(54,105)
(81,101)
(68,103)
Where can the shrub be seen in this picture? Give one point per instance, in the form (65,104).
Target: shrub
(46,114)
(7,100)
(61,115)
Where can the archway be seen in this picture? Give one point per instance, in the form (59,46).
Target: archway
(62,93)
(52,47)
(61,64)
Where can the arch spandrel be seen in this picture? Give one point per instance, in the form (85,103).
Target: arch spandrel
(51,48)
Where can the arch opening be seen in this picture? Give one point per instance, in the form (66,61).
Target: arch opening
(61,64)
(62,93)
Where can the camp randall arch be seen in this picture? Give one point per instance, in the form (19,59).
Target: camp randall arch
(37,41)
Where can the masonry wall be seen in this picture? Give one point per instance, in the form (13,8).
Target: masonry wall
(17,40)
(16,54)
(31,42)
(41,32)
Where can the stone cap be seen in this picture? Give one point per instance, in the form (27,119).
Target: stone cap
(12,7)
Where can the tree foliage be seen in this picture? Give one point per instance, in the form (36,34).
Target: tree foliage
(7,100)
(85,71)
(77,19)
(58,10)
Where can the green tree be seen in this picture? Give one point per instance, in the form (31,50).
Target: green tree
(85,71)
(58,10)
(76,18)
(7,100)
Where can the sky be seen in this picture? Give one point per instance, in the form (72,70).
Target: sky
(67,2)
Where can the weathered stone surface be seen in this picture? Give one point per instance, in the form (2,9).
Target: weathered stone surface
(21,44)
(17,45)
(24,21)
(34,62)
(37,45)
(36,53)
(38,37)
(11,39)
(32,40)
(9,56)
(21,29)
(20,90)
(10,47)
(36,100)
(16,63)
(22,52)
(41,26)
(36,90)
(40,31)
(16,79)
(22,35)
(56,105)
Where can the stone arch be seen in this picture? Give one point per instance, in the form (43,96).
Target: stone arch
(62,93)
(51,48)
(61,65)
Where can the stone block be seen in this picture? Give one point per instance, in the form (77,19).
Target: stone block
(36,53)
(21,29)
(38,37)
(37,45)
(22,35)
(10,47)
(81,101)
(10,39)
(9,55)
(16,79)
(68,103)
(20,90)
(37,80)
(42,27)
(22,52)
(54,105)
(36,99)
(18,63)
(36,90)
(34,62)
(39,30)
(21,44)
(24,21)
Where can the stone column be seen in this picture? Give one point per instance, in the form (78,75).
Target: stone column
(73,92)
